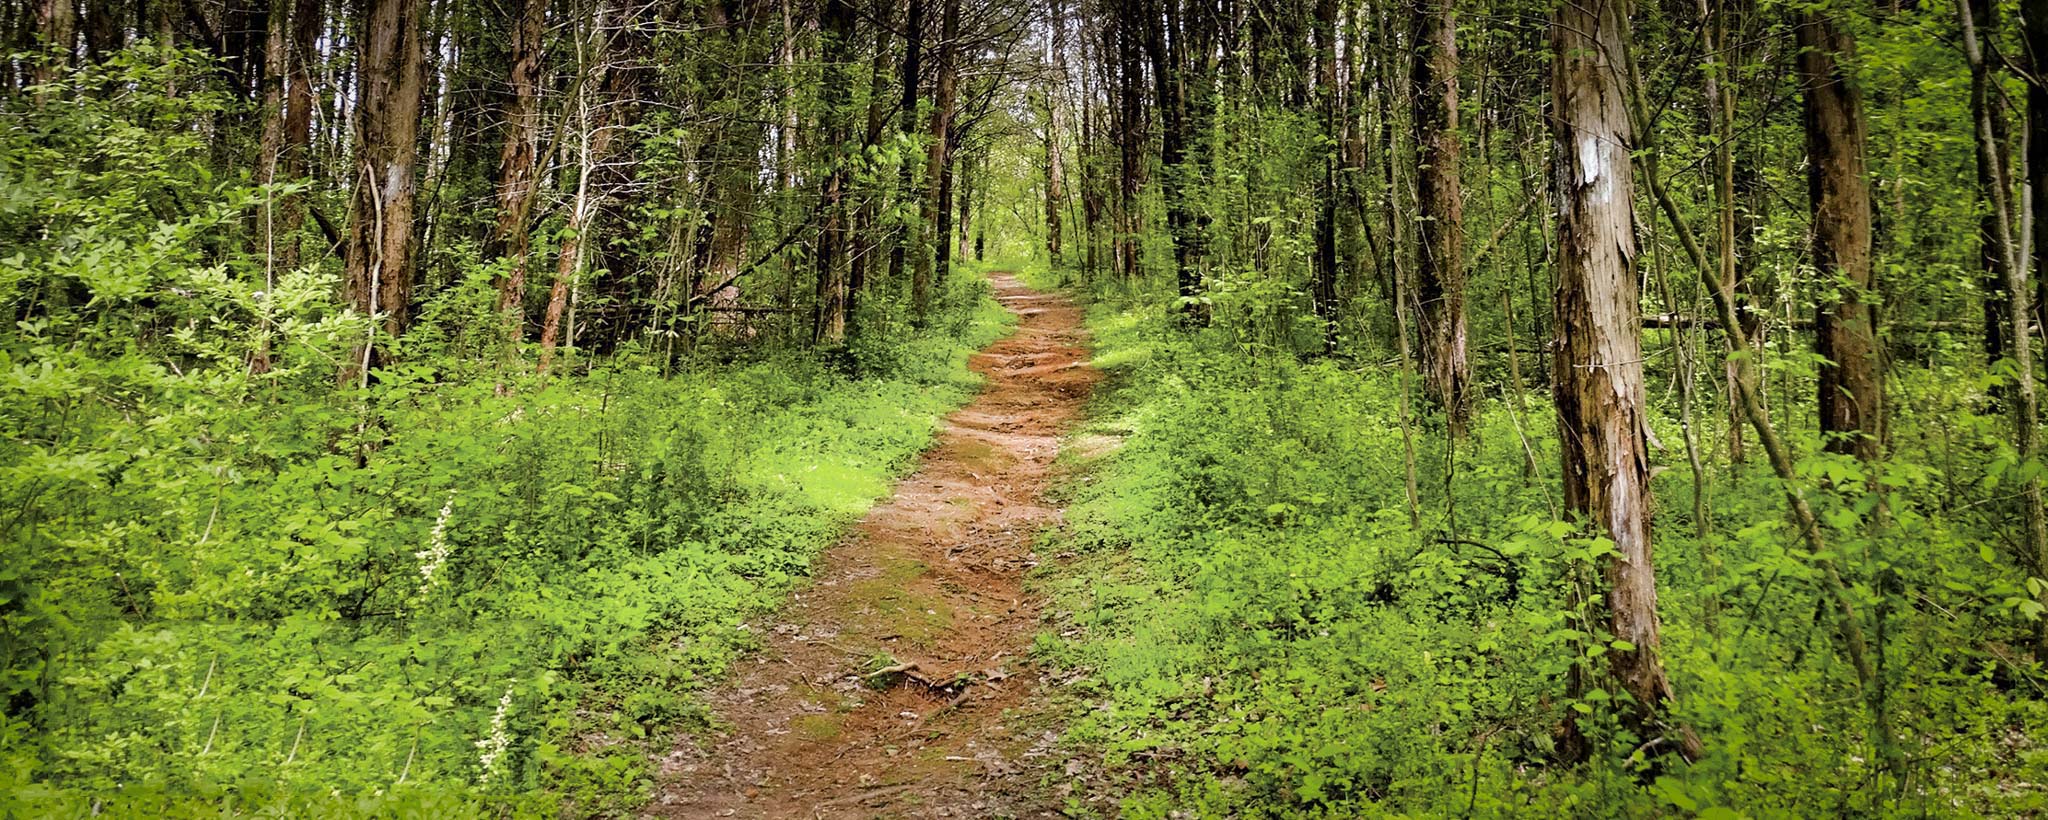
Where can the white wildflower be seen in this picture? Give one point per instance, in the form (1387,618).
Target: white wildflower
(436,552)
(494,745)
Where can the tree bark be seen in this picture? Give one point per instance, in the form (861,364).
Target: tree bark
(518,167)
(2002,259)
(938,183)
(1598,369)
(294,160)
(1323,288)
(1440,265)
(837,28)
(103,27)
(912,80)
(1055,131)
(1851,394)
(867,216)
(378,273)
(2034,31)
(57,24)
(1130,139)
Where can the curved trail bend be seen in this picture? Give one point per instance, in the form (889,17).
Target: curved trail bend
(932,577)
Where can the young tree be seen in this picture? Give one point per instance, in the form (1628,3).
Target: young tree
(1598,368)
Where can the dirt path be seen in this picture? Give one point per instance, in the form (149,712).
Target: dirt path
(930,584)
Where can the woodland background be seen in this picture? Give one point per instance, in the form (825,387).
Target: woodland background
(408,402)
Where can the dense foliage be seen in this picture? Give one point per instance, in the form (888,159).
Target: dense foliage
(465,583)
(1592,407)
(1579,408)
(1253,617)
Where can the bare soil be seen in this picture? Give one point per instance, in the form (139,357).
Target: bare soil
(899,684)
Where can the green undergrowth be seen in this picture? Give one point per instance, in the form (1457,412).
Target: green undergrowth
(1250,626)
(457,594)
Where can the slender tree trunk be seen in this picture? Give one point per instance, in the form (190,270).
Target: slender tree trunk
(1598,370)
(930,266)
(837,29)
(518,167)
(2002,258)
(1323,297)
(295,150)
(1131,130)
(1167,34)
(378,274)
(1055,183)
(1440,265)
(270,148)
(867,215)
(1748,391)
(2034,30)
(963,223)
(1851,394)
(1721,106)
(1993,246)
(595,117)
(1055,133)
(913,58)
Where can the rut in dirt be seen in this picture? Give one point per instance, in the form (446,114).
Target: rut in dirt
(898,684)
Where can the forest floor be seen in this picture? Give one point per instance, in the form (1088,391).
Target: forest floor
(899,683)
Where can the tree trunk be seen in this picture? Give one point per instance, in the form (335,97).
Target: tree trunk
(596,117)
(2034,33)
(837,28)
(1720,91)
(1175,42)
(1055,131)
(1440,264)
(1851,395)
(1993,240)
(518,166)
(2034,30)
(867,216)
(938,181)
(1598,370)
(913,58)
(295,151)
(378,273)
(1130,133)
(57,23)
(2002,258)
(103,27)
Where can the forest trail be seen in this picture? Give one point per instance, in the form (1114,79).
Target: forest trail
(932,577)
